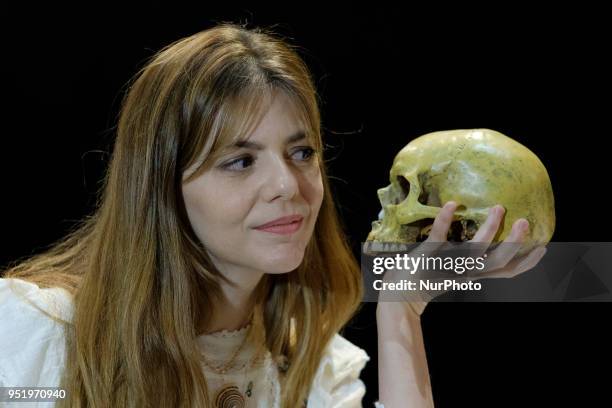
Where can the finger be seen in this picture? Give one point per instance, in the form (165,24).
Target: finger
(435,240)
(439,230)
(504,253)
(442,223)
(487,231)
(518,266)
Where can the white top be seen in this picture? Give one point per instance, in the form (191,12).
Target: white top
(32,354)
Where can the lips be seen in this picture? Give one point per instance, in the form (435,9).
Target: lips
(281,221)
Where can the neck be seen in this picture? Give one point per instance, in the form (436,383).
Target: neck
(233,311)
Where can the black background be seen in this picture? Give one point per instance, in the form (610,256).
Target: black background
(385,75)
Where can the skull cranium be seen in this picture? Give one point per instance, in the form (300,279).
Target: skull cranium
(476,168)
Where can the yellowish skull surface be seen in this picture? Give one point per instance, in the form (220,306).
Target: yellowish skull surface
(476,168)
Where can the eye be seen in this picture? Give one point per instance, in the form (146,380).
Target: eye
(242,163)
(308,153)
(234,165)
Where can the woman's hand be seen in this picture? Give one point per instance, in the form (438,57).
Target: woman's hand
(503,261)
(402,365)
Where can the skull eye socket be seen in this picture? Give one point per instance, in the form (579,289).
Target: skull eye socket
(405,188)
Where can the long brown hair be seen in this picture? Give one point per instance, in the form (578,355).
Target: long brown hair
(141,281)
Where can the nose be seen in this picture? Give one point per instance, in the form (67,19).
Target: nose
(280,181)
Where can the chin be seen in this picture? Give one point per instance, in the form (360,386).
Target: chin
(279,259)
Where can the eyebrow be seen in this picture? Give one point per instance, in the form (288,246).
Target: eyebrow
(297,136)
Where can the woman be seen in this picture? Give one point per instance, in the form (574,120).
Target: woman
(182,289)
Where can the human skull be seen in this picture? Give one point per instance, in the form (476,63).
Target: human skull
(476,168)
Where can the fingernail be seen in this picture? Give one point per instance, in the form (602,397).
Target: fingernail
(525,225)
(451,205)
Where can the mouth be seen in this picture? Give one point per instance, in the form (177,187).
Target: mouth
(284,228)
(283,225)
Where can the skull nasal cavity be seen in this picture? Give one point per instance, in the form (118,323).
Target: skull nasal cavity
(405,188)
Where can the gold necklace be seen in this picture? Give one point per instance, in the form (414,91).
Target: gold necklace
(225,367)
(229,396)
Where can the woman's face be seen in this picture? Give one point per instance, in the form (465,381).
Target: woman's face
(275,174)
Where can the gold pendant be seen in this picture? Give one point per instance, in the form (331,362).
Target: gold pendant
(229,397)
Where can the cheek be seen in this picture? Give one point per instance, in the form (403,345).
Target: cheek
(315,192)
(211,210)
(318,186)
(198,210)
